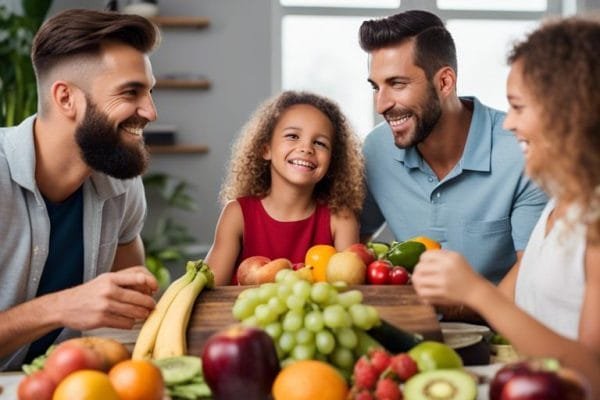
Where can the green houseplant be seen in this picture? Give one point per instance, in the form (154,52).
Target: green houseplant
(18,95)
(165,242)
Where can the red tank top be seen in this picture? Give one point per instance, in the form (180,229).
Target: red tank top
(265,236)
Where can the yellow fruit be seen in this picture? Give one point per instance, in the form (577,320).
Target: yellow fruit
(85,384)
(318,257)
(137,380)
(309,380)
(429,243)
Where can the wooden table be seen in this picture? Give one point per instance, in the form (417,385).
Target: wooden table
(399,305)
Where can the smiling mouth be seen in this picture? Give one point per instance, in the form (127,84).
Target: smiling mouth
(135,131)
(523,144)
(396,121)
(303,163)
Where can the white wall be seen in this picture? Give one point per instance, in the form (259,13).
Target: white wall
(234,53)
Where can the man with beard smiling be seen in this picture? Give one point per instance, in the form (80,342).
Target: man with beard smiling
(440,165)
(72,203)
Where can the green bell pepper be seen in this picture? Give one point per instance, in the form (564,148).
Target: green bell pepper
(405,254)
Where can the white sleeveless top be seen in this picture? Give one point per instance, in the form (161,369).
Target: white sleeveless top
(551,280)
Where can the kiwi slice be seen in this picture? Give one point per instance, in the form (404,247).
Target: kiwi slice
(179,369)
(441,384)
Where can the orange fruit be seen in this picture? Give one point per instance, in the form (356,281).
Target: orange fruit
(429,243)
(85,384)
(309,380)
(137,380)
(318,256)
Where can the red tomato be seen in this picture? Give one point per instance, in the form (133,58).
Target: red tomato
(378,272)
(37,386)
(399,275)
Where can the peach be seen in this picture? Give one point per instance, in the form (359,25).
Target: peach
(258,269)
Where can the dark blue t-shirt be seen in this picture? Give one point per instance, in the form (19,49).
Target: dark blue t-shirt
(64,266)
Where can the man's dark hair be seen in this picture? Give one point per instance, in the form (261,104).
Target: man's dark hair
(434,46)
(82,31)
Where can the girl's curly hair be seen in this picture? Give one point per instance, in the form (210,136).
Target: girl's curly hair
(250,175)
(561,67)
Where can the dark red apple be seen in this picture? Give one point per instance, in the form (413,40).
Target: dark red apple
(366,254)
(503,375)
(399,276)
(533,385)
(240,363)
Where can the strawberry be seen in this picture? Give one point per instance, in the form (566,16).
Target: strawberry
(363,395)
(388,389)
(380,359)
(403,366)
(365,375)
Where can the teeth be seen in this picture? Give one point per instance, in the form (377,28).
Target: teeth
(398,121)
(303,163)
(134,131)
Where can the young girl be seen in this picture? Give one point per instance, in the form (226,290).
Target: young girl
(547,306)
(295,180)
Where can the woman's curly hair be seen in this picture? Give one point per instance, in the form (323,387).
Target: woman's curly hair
(561,67)
(249,174)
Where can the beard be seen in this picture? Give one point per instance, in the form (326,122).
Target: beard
(103,149)
(430,114)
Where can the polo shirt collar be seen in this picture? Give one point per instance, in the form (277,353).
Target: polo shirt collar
(21,162)
(477,153)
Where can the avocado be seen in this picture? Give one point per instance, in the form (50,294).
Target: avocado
(441,384)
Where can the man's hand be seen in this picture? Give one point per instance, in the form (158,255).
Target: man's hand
(114,300)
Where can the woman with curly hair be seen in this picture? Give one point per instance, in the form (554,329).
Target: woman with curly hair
(295,180)
(547,306)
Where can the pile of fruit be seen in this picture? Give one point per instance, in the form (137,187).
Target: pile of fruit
(309,321)
(90,368)
(430,370)
(375,263)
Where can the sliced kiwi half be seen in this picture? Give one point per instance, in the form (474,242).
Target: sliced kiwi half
(441,384)
(179,369)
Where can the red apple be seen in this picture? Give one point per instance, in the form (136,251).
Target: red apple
(69,357)
(37,386)
(298,265)
(240,363)
(533,385)
(503,375)
(399,275)
(366,254)
(378,272)
(258,269)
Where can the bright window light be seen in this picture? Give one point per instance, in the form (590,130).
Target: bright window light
(507,5)
(342,3)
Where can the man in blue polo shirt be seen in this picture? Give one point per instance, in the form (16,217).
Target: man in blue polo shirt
(72,203)
(441,166)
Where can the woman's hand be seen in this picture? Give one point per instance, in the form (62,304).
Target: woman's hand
(444,277)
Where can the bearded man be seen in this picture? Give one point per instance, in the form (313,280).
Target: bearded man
(72,203)
(440,165)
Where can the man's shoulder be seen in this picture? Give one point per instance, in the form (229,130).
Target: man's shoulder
(378,138)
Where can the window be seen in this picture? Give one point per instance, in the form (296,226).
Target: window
(318,46)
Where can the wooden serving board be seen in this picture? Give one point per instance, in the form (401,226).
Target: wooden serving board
(399,305)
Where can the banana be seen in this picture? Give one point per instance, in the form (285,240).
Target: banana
(171,337)
(144,344)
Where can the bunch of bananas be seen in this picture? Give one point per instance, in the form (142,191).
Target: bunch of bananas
(163,334)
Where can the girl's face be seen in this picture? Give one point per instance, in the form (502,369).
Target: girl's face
(525,120)
(300,147)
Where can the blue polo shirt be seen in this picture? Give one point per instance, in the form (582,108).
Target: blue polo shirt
(485,208)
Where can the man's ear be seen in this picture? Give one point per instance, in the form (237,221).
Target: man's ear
(445,81)
(64,97)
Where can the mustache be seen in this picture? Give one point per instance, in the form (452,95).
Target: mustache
(135,122)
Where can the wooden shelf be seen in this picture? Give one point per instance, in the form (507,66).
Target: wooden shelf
(182,84)
(179,149)
(181,22)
